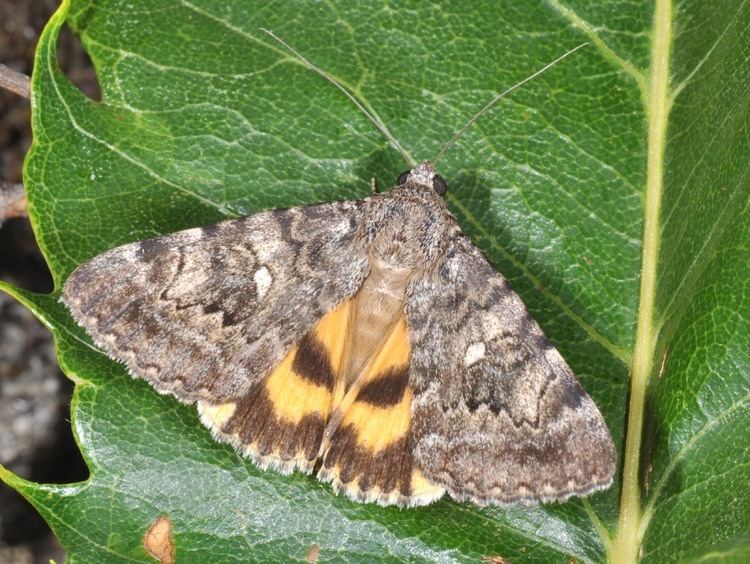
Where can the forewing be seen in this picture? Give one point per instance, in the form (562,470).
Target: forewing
(206,313)
(498,416)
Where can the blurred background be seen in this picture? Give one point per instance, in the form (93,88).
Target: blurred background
(35,436)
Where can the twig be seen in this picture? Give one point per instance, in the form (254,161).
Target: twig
(12,201)
(15,81)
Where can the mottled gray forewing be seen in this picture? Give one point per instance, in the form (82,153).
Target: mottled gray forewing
(205,313)
(498,416)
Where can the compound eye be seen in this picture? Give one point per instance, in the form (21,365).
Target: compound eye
(439,185)
(402,177)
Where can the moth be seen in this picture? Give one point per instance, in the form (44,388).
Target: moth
(369,342)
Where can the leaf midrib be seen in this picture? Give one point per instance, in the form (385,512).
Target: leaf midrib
(627,543)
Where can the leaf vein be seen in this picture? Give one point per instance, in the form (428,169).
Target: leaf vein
(616,351)
(74,122)
(723,415)
(609,53)
(678,88)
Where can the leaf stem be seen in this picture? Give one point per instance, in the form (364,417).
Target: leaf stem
(627,543)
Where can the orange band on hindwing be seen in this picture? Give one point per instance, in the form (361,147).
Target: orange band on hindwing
(280,421)
(368,455)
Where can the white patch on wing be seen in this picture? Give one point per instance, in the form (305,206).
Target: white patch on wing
(263,280)
(474,353)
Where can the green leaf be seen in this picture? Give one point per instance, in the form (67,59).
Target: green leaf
(612,191)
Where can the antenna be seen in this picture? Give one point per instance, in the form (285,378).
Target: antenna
(502,94)
(379,124)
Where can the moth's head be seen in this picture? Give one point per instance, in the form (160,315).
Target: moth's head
(424,175)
